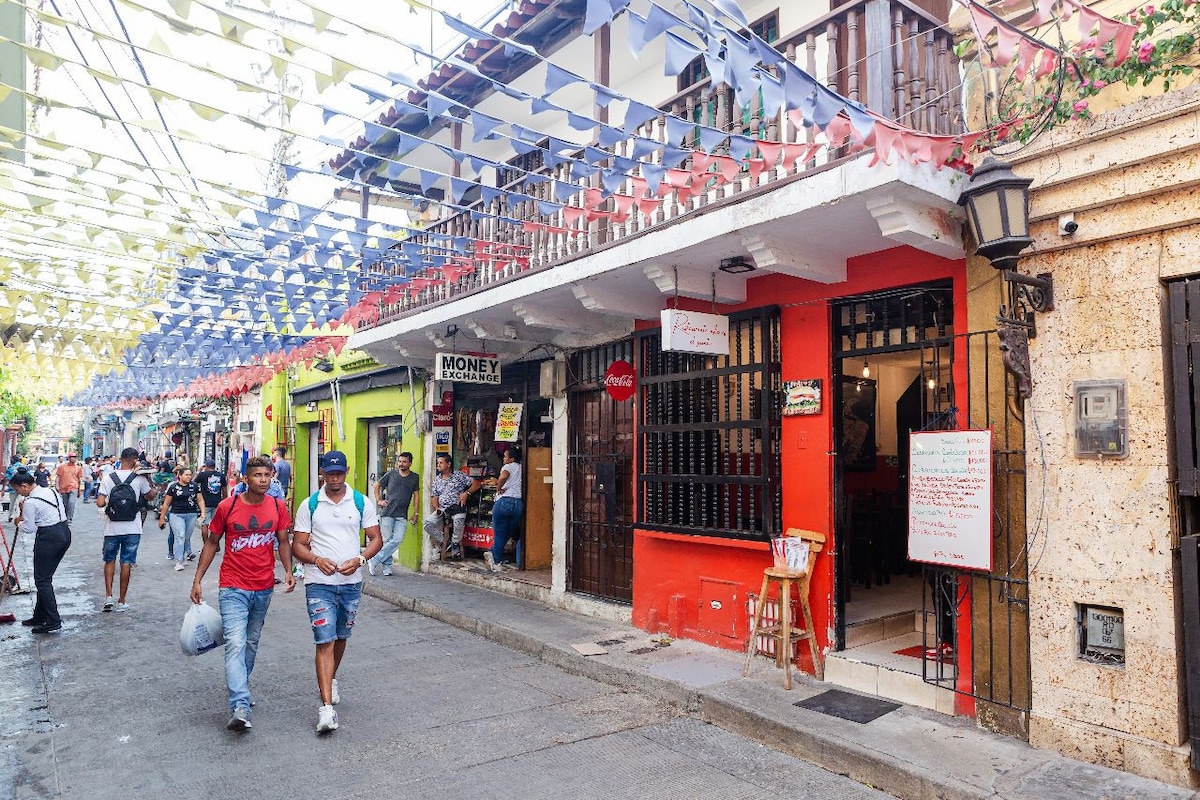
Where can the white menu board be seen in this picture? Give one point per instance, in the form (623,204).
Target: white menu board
(950,498)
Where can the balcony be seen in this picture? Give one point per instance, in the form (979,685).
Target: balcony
(887,54)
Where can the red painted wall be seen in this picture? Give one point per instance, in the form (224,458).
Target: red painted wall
(670,570)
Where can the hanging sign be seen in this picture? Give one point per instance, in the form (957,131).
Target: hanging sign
(619,381)
(508,422)
(466,368)
(950,498)
(443,424)
(693,332)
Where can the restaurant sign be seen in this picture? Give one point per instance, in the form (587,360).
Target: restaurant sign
(466,368)
(693,332)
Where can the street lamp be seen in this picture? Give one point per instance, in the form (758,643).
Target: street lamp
(997,203)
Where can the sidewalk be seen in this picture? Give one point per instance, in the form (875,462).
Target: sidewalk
(910,752)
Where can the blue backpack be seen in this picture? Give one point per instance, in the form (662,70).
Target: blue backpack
(359,503)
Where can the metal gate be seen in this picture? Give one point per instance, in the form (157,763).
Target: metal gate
(600,478)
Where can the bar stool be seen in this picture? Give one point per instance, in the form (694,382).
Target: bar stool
(782,632)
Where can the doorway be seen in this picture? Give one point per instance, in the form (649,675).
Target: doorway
(385,437)
(893,368)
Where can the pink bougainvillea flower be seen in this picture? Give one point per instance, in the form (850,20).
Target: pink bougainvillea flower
(1099,84)
(1149,11)
(1146,52)
(1080,107)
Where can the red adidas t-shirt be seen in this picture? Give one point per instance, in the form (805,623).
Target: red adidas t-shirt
(250,535)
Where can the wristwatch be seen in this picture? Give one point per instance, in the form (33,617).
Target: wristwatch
(362,560)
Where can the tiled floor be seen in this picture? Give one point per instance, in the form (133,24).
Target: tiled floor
(876,669)
(902,594)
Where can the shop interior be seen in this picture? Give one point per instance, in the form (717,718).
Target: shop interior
(475,449)
(883,397)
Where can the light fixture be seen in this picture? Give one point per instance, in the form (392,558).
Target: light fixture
(324,365)
(931,383)
(736,265)
(311,405)
(866,370)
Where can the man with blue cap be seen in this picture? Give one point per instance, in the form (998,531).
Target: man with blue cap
(326,540)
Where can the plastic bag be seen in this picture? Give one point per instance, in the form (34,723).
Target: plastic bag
(202,630)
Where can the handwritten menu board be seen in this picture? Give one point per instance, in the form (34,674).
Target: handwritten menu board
(508,422)
(950,498)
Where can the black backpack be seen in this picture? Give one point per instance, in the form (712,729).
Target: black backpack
(122,502)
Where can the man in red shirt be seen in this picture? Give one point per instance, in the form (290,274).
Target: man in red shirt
(67,478)
(251,523)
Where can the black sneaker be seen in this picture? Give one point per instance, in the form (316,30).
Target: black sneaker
(31,622)
(49,627)
(239,720)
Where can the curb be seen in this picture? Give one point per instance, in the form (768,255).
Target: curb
(839,756)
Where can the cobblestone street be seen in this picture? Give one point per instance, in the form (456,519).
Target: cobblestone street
(111,708)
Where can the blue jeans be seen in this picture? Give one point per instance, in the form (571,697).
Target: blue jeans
(331,609)
(182,526)
(126,545)
(506,523)
(392,529)
(243,613)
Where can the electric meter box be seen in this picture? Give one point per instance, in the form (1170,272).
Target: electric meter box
(1101,420)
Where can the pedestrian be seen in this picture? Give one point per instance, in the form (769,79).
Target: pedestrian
(41,474)
(253,525)
(448,499)
(44,515)
(508,508)
(12,490)
(182,507)
(394,492)
(283,470)
(120,496)
(68,479)
(89,480)
(213,488)
(328,527)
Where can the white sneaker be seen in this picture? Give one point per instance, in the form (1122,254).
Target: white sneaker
(108,604)
(336,697)
(490,561)
(178,566)
(326,719)
(123,607)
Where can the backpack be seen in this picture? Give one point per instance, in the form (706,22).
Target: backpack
(122,503)
(359,502)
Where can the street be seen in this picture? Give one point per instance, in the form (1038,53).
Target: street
(111,708)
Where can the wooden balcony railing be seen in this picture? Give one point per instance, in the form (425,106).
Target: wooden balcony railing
(887,54)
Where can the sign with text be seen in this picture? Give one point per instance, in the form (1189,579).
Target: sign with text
(620,381)
(443,424)
(466,368)
(508,422)
(950,498)
(693,332)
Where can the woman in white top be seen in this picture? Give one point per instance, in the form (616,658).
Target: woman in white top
(43,514)
(507,511)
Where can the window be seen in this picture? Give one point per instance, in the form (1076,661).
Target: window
(709,433)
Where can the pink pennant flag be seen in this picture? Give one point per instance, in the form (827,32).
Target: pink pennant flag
(1088,19)
(770,151)
(1048,63)
(983,22)
(727,167)
(572,214)
(677,178)
(797,152)
(886,141)
(639,186)
(1027,53)
(756,167)
(701,162)
(593,198)
(837,130)
(531,227)
(648,205)
(1122,44)
(623,203)
(1007,41)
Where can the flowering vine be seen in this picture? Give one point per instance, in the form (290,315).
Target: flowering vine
(1164,49)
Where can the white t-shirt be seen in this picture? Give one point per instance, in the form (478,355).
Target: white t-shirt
(333,533)
(139,484)
(512,484)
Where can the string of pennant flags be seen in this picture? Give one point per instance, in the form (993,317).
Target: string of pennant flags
(255,284)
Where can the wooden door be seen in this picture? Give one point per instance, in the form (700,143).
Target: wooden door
(539,508)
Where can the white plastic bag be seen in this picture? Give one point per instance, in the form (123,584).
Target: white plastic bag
(202,630)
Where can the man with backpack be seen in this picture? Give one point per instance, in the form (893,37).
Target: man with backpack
(326,540)
(120,495)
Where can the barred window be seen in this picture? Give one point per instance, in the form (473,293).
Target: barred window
(709,430)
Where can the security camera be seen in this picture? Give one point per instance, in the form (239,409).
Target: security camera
(1067,225)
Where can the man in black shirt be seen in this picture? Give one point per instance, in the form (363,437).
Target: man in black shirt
(213,489)
(394,494)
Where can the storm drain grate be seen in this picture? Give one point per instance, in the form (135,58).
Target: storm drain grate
(611,642)
(847,705)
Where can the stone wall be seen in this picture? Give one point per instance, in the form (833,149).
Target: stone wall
(1103,537)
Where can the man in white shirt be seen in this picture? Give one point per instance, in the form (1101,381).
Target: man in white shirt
(326,538)
(122,534)
(44,516)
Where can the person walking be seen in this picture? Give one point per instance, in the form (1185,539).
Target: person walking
(252,524)
(394,492)
(89,480)
(41,475)
(181,508)
(43,515)
(213,488)
(448,498)
(283,470)
(12,490)
(326,539)
(120,496)
(68,479)
(508,508)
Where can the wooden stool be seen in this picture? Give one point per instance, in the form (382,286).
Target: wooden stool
(782,632)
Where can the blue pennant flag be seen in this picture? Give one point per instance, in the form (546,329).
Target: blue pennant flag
(638,114)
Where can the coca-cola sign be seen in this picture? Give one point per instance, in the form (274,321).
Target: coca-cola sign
(619,382)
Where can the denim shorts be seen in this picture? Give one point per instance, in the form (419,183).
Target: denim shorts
(127,545)
(331,609)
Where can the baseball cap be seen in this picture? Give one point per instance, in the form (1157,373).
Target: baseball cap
(72,455)
(210,462)
(333,461)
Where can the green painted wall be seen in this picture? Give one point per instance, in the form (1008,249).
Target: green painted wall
(358,410)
